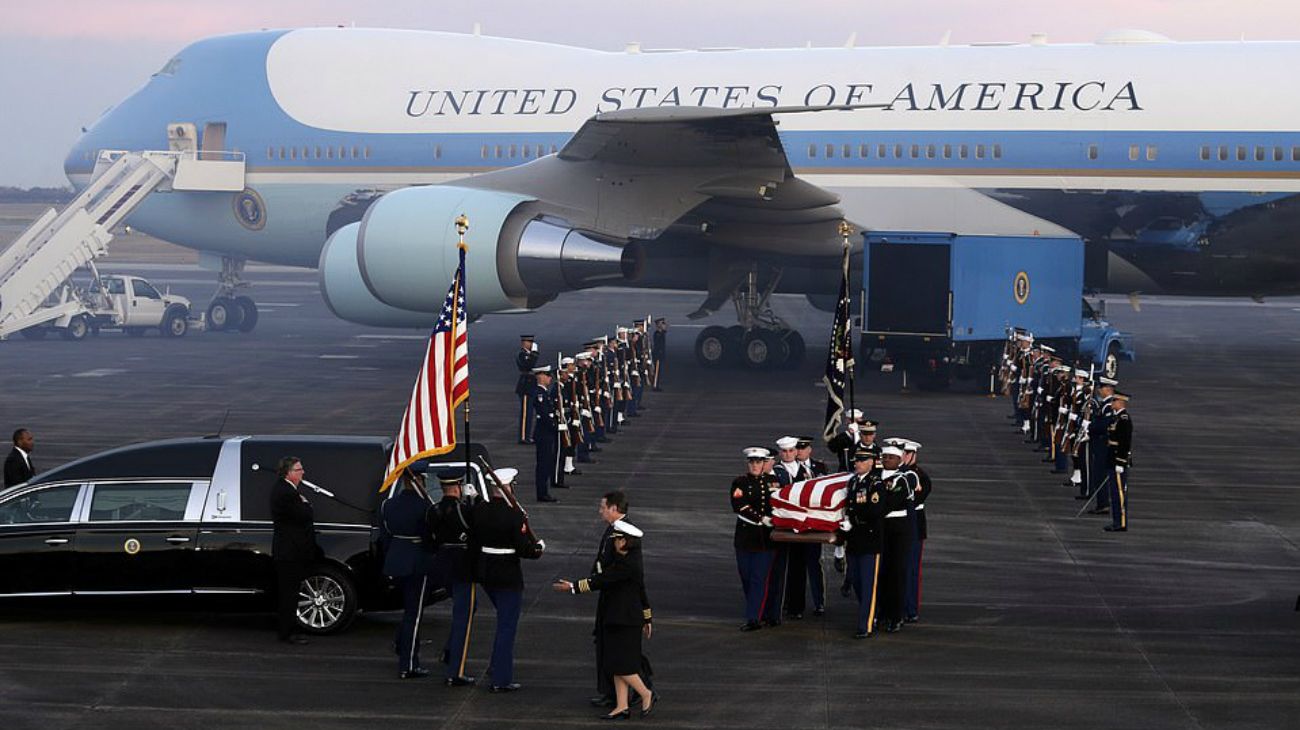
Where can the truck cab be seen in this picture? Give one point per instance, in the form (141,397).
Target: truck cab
(135,305)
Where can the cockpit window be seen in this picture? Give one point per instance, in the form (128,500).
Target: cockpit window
(170,68)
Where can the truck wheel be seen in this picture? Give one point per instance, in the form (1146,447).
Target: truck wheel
(175,323)
(1110,365)
(762,349)
(77,328)
(36,333)
(327,601)
(713,347)
(223,315)
(247,313)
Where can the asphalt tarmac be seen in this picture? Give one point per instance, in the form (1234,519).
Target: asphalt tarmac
(1031,617)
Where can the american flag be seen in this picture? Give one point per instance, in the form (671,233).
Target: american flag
(839,359)
(429,425)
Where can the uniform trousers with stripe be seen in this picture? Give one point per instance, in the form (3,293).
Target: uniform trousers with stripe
(527,418)
(755,568)
(864,570)
(463,596)
(1119,497)
(408,632)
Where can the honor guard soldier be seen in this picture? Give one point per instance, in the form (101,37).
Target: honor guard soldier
(845,443)
(1120,440)
(897,539)
(1100,468)
(755,552)
(640,365)
(805,558)
(920,491)
(525,360)
(499,539)
(450,524)
(405,536)
(546,433)
(862,535)
(586,403)
(569,425)
(775,602)
(658,351)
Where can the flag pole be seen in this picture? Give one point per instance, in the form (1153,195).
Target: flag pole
(846,230)
(462,227)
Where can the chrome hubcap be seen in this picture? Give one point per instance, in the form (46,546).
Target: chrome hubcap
(321,601)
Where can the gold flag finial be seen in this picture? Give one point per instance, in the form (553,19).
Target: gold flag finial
(846,230)
(462,226)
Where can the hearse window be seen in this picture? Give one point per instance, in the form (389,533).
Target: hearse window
(148,502)
(1205,152)
(1151,153)
(145,289)
(42,505)
(1092,151)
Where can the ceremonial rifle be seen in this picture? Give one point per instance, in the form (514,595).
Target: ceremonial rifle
(509,495)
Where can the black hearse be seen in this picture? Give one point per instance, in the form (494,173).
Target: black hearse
(192,516)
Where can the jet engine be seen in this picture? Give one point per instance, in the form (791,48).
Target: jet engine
(393,268)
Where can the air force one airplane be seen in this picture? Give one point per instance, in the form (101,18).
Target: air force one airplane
(668,169)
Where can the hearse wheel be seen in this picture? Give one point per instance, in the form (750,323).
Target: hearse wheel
(327,601)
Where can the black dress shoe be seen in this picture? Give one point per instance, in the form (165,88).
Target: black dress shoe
(1099,511)
(460,681)
(297,639)
(1112,528)
(819,611)
(560,486)
(893,626)
(862,635)
(751,626)
(417,673)
(624,715)
(840,564)
(547,499)
(911,619)
(795,616)
(846,590)
(772,622)
(512,687)
(574,473)
(526,442)
(602,701)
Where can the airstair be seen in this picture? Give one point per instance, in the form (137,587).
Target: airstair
(36,270)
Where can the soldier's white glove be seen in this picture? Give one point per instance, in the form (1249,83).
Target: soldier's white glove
(534,347)
(1119,470)
(564,427)
(541,545)
(1062,409)
(1085,425)
(845,525)
(597,409)
(586,413)
(1024,427)
(576,424)
(767,522)
(1040,391)
(853,429)
(1074,416)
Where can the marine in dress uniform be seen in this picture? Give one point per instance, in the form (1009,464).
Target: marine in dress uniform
(897,539)
(755,551)
(546,434)
(1120,440)
(658,352)
(920,486)
(862,535)
(526,360)
(805,559)
(775,603)
(499,539)
(450,524)
(405,537)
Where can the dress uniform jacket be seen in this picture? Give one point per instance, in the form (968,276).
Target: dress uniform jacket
(843,445)
(498,526)
(920,490)
(404,533)
(1120,439)
(449,521)
(622,588)
(18,469)
(752,505)
(867,504)
(526,360)
(294,536)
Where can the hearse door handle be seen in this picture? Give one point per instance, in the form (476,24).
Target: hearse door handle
(56,541)
(177,540)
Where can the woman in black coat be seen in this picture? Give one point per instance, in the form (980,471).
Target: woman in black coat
(622,617)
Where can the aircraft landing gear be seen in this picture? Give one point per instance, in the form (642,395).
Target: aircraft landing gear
(761,341)
(229,310)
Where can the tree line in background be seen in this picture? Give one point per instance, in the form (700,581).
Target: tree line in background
(35,195)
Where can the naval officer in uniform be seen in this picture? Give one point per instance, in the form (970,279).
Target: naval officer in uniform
(404,535)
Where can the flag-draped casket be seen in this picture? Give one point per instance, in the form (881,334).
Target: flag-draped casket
(813,505)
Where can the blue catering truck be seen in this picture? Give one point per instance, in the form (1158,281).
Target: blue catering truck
(939,305)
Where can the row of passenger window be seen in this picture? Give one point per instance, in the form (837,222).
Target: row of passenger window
(915,151)
(515,151)
(322,152)
(1241,153)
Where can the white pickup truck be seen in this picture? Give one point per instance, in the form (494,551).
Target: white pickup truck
(129,303)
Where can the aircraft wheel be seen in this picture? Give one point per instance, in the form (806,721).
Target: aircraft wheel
(762,349)
(223,314)
(795,348)
(713,347)
(247,312)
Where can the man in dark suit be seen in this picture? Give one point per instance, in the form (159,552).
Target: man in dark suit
(293,546)
(18,465)
(404,535)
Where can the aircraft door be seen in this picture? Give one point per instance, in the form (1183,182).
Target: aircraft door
(213,141)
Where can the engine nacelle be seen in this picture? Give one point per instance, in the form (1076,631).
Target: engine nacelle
(346,294)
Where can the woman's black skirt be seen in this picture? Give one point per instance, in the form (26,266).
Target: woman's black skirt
(622,649)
